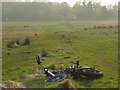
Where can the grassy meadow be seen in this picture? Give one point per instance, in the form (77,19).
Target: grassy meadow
(90,42)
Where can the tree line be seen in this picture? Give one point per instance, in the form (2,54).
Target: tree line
(51,11)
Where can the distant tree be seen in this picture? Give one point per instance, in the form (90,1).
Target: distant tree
(40,11)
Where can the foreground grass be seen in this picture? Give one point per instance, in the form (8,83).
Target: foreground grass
(62,39)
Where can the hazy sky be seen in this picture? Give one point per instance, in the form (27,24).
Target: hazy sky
(72,2)
(103,2)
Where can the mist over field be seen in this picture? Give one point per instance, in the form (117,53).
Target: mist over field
(53,11)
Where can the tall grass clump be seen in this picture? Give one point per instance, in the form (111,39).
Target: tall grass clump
(35,34)
(10,44)
(44,53)
(18,42)
(27,41)
(85,29)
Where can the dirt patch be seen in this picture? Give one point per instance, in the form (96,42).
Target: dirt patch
(67,84)
(29,76)
(37,74)
(32,76)
(12,84)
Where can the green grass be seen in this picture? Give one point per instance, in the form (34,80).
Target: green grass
(91,47)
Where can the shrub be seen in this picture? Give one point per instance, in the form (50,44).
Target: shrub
(63,36)
(18,42)
(27,41)
(44,53)
(85,28)
(35,34)
(104,26)
(99,27)
(110,26)
(10,44)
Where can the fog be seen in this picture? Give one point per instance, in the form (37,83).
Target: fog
(51,11)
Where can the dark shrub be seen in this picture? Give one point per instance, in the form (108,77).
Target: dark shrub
(35,34)
(27,41)
(110,26)
(104,26)
(18,42)
(26,26)
(10,44)
(99,27)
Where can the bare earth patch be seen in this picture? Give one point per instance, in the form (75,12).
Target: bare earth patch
(37,74)
(12,84)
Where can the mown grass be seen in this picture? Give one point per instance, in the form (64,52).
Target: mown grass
(91,47)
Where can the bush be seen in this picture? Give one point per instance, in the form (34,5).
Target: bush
(94,27)
(10,44)
(18,42)
(104,26)
(35,34)
(27,41)
(110,26)
(63,36)
(44,53)
(99,27)
(85,29)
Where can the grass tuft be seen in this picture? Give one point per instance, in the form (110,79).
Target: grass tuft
(27,41)
(44,53)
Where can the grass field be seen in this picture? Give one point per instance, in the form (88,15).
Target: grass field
(92,43)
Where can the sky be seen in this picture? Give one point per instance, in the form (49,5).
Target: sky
(72,2)
(103,2)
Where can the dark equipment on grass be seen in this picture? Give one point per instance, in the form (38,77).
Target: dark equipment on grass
(76,73)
